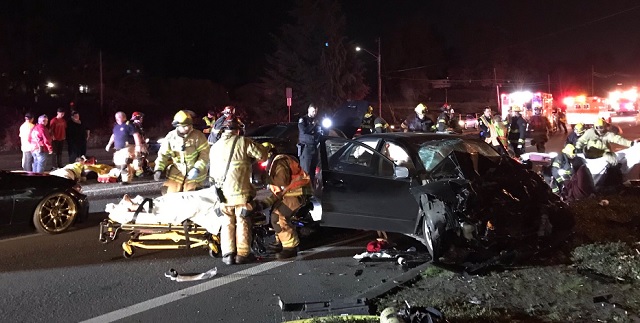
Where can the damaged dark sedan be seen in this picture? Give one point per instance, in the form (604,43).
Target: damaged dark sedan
(440,189)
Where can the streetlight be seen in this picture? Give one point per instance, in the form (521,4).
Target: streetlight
(379,59)
(51,85)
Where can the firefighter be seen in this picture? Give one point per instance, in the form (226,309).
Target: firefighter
(140,163)
(539,126)
(596,142)
(485,120)
(183,156)
(577,131)
(209,120)
(419,122)
(290,186)
(228,113)
(516,131)
(231,159)
(562,168)
(442,123)
(372,123)
(309,132)
(124,135)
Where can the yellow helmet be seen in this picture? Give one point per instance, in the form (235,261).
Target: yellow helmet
(182,118)
(268,145)
(421,108)
(369,110)
(570,150)
(516,108)
(600,122)
(579,128)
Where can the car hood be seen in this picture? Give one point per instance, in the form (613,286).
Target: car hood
(20,178)
(348,117)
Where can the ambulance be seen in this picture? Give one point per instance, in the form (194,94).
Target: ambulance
(527,101)
(586,110)
(623,102)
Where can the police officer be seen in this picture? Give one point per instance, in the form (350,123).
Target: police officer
(309,132)
(419,122)
(188,151)
(517,128)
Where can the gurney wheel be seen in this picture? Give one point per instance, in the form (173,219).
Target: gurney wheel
(127,254)
(103,240)
(214,250)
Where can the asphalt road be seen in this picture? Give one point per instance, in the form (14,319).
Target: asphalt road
(73,277)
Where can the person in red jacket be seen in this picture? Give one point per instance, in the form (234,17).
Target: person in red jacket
(58,128)
(40,139)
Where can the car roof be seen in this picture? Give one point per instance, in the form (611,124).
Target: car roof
(415,138)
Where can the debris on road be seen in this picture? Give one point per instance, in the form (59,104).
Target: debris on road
(174,275)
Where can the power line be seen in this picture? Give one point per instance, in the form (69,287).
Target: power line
(527,41)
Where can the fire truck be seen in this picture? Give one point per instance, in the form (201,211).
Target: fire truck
(586,110)
(527,101)
(623,102)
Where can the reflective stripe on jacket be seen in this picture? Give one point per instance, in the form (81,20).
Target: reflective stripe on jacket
(191,151)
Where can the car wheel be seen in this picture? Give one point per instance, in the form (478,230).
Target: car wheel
(55,213)
(434,226)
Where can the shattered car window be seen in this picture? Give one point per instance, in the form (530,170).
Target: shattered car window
(434,152)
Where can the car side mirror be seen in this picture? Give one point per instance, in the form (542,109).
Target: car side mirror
(400,172)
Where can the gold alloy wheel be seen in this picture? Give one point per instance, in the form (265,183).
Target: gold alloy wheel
(55,213)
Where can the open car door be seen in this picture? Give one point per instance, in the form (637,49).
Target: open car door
(359,188)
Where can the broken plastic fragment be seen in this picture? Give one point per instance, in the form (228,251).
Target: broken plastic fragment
(174,275)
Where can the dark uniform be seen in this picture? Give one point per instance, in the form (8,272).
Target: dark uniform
(539,127)
(373,124)
(308,137)
(443,122)
(561,170)
(415,124)
(517,128)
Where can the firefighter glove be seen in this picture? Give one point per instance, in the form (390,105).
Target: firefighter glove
(519,146)
(193,174)
(157,175)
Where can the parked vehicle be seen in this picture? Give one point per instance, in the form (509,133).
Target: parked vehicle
(440,189)
(51,203)
(469,121)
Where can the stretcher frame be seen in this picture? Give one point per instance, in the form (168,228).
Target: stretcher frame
(160,237)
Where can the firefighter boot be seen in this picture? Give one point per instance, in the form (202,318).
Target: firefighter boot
(287,253)
(229,259)
(245,259)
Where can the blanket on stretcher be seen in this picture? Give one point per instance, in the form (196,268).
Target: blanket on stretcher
(196,206)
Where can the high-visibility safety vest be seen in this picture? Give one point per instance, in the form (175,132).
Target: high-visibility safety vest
(300,183)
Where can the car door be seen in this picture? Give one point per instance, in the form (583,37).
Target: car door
(358,188)
(6,198)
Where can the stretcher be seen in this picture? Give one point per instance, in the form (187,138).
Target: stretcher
(174,221)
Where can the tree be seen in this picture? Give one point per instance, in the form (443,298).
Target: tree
(314,58)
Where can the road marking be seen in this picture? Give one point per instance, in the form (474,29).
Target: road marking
(88,189)
(203,287)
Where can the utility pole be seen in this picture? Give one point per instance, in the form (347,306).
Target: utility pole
(379,81)
(101,87)
(592,72)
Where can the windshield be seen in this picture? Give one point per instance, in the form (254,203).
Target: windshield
(433,152)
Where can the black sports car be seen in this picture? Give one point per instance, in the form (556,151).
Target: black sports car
(440,189)
(50,202)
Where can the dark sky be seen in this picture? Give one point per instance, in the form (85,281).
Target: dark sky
(226,41)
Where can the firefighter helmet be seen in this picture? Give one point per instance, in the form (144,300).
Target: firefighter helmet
(569,150)
(137,115)
(421,108)
(579,128)
(231,124)
(516,108)
(369,110)
(229,110)
(600,122)
(182,118)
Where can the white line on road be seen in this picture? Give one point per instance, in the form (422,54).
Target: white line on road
(197,289)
